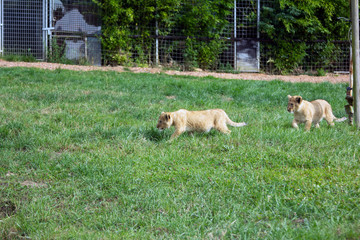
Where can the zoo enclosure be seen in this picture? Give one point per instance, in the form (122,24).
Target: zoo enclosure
(45,28)
(53,30)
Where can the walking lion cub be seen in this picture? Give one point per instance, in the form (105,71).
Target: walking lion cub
(200,121)
(311,112)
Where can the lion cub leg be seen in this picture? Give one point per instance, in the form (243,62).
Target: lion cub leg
(295,124)
(226,131)
(178,132)
(331,124)
(308,125)
(329,119)
(222,128)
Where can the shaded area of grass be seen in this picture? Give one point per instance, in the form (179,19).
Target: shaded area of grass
(19,58)
(94,165)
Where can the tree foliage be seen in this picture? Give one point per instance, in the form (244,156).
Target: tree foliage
(122,19)
(196,19)
(290,24)
(127,27)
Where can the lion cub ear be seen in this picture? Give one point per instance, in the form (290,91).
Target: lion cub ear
(167,117)
(288,96)
(299,99)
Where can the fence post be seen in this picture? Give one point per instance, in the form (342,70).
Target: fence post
(1,27)
(156,43)
(356,59)
(235,36)
(50,25)
(258,35)
(44,28)
(86,47)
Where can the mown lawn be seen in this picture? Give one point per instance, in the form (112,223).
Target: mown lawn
(80,158)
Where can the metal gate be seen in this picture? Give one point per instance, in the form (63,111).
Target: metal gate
(76,29)
(47,27)
(22,27)
(36,27)
(25,27)
(246,35)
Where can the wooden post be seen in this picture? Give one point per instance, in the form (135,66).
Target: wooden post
(356,59)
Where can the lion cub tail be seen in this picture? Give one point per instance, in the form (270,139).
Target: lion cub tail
(340,119)
(234,124)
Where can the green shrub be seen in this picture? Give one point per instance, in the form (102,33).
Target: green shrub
(288,55)
(201,19)
(56,54)
(284,21)
(128,28)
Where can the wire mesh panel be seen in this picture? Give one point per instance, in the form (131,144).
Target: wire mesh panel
(172,52)
(71,30)
(341,53)
(22,27)
(246,45)
(76,31)
(239,46)
(333,56)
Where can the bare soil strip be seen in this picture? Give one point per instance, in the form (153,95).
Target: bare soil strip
(332,78)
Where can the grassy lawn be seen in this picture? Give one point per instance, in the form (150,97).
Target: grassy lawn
(80,158)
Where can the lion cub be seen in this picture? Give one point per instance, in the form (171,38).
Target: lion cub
(201,121)
(311,112)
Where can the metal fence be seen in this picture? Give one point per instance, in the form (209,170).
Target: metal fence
(76,31)
(21,27)
(337,60)
(55,30)
(69,31)
(240,50)
(244,50)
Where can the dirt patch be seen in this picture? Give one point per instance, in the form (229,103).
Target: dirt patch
(9,174)
(171,97)
(33,184)
(7,209)
(332,78)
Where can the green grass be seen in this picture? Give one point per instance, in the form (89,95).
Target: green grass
(105,172)
(19,58)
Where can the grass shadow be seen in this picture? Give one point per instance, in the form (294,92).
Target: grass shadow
(155,135)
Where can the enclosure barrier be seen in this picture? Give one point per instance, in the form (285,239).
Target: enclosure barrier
(60,31)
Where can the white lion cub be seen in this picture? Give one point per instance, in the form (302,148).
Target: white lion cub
(200,121)
(311,112)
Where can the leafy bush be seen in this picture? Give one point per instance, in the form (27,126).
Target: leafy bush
(284,21)
(190,54)
(323,54)
(57,52)
(19,58)
(288,55)
(129,25)
(123,19)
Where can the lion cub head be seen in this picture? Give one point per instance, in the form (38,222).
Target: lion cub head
(294,103)
(165,121)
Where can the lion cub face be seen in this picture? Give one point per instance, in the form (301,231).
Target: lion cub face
(294,103)
(165,121)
